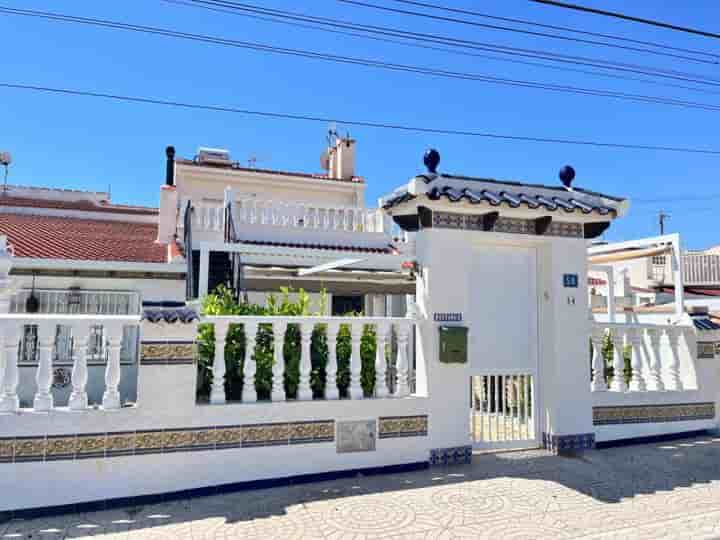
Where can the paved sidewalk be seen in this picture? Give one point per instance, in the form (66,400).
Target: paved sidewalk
(668,490)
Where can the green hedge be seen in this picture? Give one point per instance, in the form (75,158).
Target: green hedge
(221,303)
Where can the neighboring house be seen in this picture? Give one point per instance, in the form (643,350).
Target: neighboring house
(76,252)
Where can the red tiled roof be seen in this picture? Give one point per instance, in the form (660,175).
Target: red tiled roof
(237,167)
(360,249)
(49,237)
(86,206)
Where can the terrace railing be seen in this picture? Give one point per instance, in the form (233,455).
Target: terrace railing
(211,217)
(654,357)
(69,301)
(46,327)
(393,373)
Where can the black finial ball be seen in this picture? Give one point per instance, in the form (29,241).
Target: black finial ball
(567,175)
(170,152)
(432,160)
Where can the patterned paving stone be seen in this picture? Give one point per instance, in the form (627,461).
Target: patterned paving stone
(667,490)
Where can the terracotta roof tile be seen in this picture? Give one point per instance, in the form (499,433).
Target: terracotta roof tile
(86,206)
(49,237)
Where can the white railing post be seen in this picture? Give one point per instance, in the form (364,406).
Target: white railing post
(9,401)
(381,387)
(46,339)
(278,369)
(356,332)
(618,342)
(598,383)
(217,392)
(331,386)
(304,388)
(637,381)
(111,397)
(249,393)
(402,387)
(673,368)
(78,398)
(655,381)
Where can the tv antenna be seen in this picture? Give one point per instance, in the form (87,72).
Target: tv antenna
(5,161)
(662,217)
(253,159)
(332,134)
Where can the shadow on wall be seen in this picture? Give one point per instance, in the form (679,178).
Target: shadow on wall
(531,481)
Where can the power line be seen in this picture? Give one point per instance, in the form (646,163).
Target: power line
(520,31)
(420,45)
(623,16)
(349,122)
(464,43)
(553,27)
(405,68)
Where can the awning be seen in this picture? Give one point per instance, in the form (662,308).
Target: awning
(627,255)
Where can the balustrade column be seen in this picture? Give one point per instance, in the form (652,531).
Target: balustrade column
(217,392)
(304,389)
(249,394)
(78,398)
(331,387)
(402,388)
(381,387)
(618,342)
(598,383)
(43,398)
(111,397)
(673,369)
(278,369)
(356,332)
(637,382)
(9,401)
(655,381)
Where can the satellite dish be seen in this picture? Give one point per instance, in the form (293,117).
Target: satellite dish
(5,158)
(325,160)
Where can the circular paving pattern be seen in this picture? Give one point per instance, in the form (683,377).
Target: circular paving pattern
(369,516)
(463,500)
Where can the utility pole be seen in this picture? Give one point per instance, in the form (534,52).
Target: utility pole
(662,216)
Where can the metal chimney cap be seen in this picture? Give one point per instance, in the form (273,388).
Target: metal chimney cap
(170,152)
(431,159)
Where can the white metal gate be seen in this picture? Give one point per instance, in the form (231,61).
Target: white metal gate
(503,359)
(502,411)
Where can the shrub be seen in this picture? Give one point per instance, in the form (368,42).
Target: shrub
(221,302)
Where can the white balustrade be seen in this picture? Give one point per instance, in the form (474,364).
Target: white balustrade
(331,368)
(79,398)
(332,328)
(304,389)
(211,218)
(45,328)
(655,356)
(249,395)
(111,396)
(278,370)
(217,392)
(598,362)
(10,402)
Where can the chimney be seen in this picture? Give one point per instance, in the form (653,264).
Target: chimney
(167,216)
(170,167)
(6,289)
(342,159)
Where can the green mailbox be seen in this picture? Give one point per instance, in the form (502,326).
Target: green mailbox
(453,344)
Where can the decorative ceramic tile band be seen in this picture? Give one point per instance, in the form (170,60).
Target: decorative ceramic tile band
(403,426)
(451,220)
(643,414)
(163,441)
(167,353)
(560,444)
(457,455)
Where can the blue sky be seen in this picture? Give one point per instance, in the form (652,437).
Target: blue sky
(85,143)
